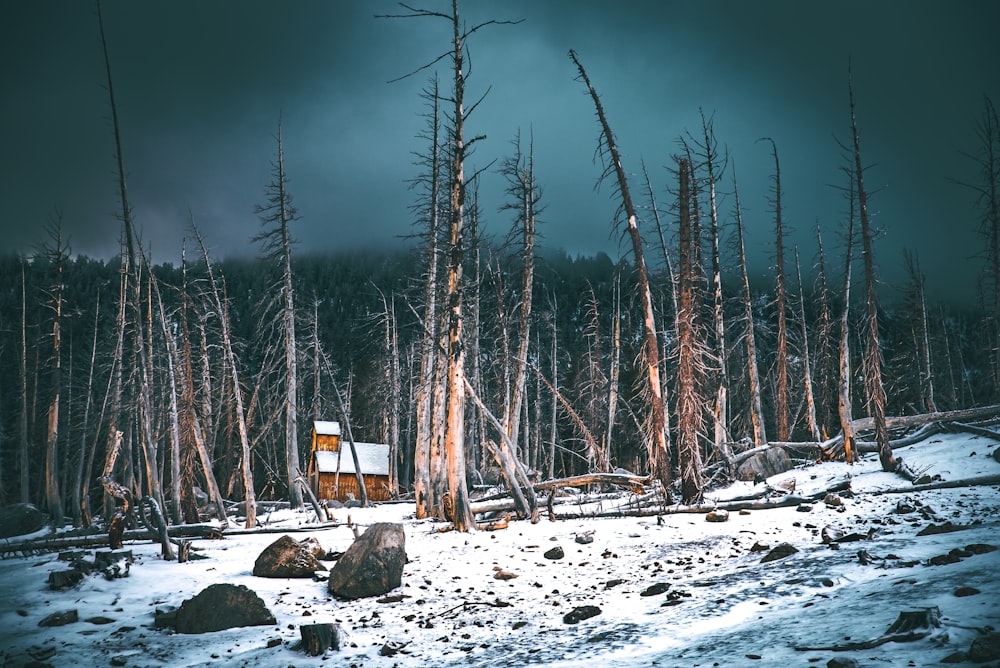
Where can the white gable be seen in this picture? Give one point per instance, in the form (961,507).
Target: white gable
(372,457)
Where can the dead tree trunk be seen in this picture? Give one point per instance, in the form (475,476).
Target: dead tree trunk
(689,364)
(806,361)
(756,406)
(659,457)
(781,359)
(844,408)
(22,439)
(53,496)
(873,355)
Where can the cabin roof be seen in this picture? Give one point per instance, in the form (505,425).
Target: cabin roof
(372,457)
(326,428)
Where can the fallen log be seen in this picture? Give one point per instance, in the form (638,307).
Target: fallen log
(973,429)
(941,484)
(623,479)
(910,421)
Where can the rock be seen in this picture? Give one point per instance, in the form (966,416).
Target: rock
(804,508)
(60,618)
(764,465)
(780,551)
(833,500)
(165,616)
(655,589)
(59,580)
(312,545)
(222,606)
(372,565)
(760,547)
(904,508)
(985,648)
(578,614)
(842,662)
(996,455)
(947,527)
(504,575)
(956,657)
(554,553)
(287,558)
(20,518)
(966,591)
(719,515)
(980,548)
(317,638)
(585,538)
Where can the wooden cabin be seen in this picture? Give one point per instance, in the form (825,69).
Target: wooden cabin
(331,467)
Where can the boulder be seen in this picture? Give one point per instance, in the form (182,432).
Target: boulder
(717,515)
(222,606)
(288,558)
(372,565)
(765,464)
(985,648)
(555,553)
(19,519)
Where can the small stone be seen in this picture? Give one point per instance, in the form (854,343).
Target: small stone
(578,614)
(833,500)
(842,662)
(956,657)
(980,548)
(904,508)
(760,547)
(744,512)
(504,575)
(779,552)
(585,538)
(804,508)
(554,553)
(947,527)
(719,515)
(655,589)
(60,618)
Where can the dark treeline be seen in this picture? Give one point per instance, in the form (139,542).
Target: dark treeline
(349,302)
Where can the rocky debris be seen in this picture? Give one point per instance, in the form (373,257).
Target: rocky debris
(372,565)
(956,555)
(780,551)
(717,515)
(501,574)
(585,538)
(288,558)
(760,547)
(578,614)
(904,508)
(956,657)
(764,465)
(831,534)
(655,589)
(554,553)
(317,638)
(61,618)
(804,508)
(966,591)
(19,519)
(985,648)
(947,527)
(113,563)
(222,606)
(392,648)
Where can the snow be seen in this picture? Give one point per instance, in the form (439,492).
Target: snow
(729,609)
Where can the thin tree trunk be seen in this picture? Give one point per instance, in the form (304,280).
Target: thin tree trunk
(806,361)
(756,406)
(659,458)
(873,355)
(844,385)
(53,496)
(22,440)
(80,483)
(781,360)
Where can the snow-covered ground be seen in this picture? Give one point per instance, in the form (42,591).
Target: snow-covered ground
(723,607)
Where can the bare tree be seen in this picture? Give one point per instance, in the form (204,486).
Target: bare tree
(806,361)
(781,355)
(873,354)
(756,405)
(276,215)
(844,407)
(659,458)
(55,254)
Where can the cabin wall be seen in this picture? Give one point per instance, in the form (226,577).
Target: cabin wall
(377,487)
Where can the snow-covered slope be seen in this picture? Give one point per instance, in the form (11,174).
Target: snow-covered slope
(720,605)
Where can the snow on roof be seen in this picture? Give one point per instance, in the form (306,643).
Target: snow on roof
(372,457)
(326,428)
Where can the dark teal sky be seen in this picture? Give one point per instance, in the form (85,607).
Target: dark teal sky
(200,86)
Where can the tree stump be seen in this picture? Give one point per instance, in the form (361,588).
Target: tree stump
(317,638)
